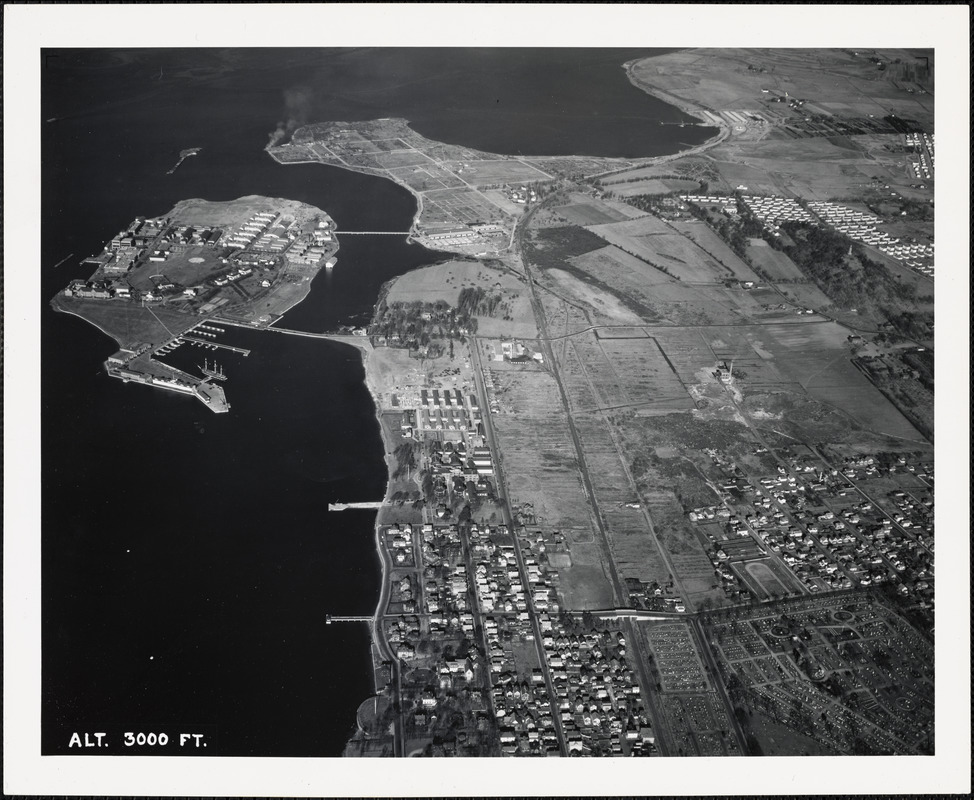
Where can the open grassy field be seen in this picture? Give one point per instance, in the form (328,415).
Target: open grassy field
(708,241)
(648,378)
(401,158)
(126,322)
(653,186)
(235,212)
(657,297)
(513,317)
(587,214)
(536,448)
(600,301)
(720,79)
(426,177)
(689,251)
(499,171)
(775,264)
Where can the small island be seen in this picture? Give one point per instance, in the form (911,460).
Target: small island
(157,283)
(183,155)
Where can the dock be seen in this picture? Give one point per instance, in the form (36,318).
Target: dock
(205,343)
(330,618)
(344,506)
(178,381)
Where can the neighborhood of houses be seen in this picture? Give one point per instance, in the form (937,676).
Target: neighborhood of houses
(858,225)
(826,527)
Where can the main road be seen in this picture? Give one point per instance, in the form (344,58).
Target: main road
(509,521)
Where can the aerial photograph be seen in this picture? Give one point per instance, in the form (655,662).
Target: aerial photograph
(600,422)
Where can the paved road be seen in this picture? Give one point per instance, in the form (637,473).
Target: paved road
(522,570)
(704,647)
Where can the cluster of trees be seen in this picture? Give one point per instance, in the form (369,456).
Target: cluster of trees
(417,324)
(405,459)
(474,300)
(850,282)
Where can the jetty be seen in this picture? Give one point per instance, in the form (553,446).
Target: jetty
(330,618)
(346,506)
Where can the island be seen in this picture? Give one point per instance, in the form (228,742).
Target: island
(166,281)
(659,435)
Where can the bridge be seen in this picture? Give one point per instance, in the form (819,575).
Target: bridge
(362,342)
(355,341)
(372,233)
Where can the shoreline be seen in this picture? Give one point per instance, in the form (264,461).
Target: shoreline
(378,645)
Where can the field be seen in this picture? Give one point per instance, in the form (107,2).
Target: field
(720,79)
(126,322)
(775,264)
(587,214)
(462,205)
(713,245)
(427,177)
(499,171)
(234,212)
(600,302)
(444,282)
(689,251)
(657,297)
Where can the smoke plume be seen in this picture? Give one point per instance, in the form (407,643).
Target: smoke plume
(298,105)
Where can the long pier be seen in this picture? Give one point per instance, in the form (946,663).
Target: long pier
(330,618)
(207,343)
(344,506)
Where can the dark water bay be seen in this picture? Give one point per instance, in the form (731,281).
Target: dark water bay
(188,559)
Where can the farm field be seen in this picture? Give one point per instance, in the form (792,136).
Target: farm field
(657,297)
(497,171)
(649,380)
(587,214)
(667,246)
(712,244)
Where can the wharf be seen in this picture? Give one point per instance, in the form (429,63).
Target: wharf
(207,393)
(344,506)
(205,343)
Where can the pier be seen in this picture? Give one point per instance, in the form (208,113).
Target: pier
(205,343)
(344,506)
(330,618)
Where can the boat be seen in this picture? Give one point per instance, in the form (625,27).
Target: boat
(216,371)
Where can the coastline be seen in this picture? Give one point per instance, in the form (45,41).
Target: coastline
(379,646)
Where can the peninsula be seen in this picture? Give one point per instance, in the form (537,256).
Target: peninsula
(162,282)
(659,438)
